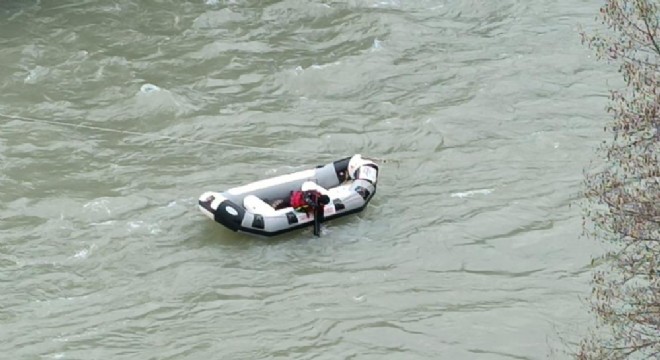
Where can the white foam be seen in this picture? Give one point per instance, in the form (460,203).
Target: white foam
(139,225)
(472,193)
(109,222)
(359,299)
(323,66)
(82,254)
(36,74)
(135,224)
(97,205)
(148,88)
(387,4)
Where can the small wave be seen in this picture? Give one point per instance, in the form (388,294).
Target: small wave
(472,193)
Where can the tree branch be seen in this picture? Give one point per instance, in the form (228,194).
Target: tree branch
(651,34)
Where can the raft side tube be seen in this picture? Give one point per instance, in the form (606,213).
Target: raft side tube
(349,182)
(222,210)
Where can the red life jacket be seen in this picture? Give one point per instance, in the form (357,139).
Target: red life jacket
(299,203)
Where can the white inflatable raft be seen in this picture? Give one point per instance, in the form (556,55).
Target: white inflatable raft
(350,183)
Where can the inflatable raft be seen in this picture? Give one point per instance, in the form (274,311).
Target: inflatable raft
(349,183)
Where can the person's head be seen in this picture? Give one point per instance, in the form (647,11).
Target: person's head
(324,200)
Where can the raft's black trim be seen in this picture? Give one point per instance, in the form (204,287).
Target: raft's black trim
(341,168)
(363,192)
(338,204)
(258,221)
(291,218)
(233,222)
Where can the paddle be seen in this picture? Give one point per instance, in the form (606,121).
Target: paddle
(318,217)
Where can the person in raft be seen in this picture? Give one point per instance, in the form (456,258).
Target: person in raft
(303,201)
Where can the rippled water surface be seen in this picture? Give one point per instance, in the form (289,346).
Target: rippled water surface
(486,112)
